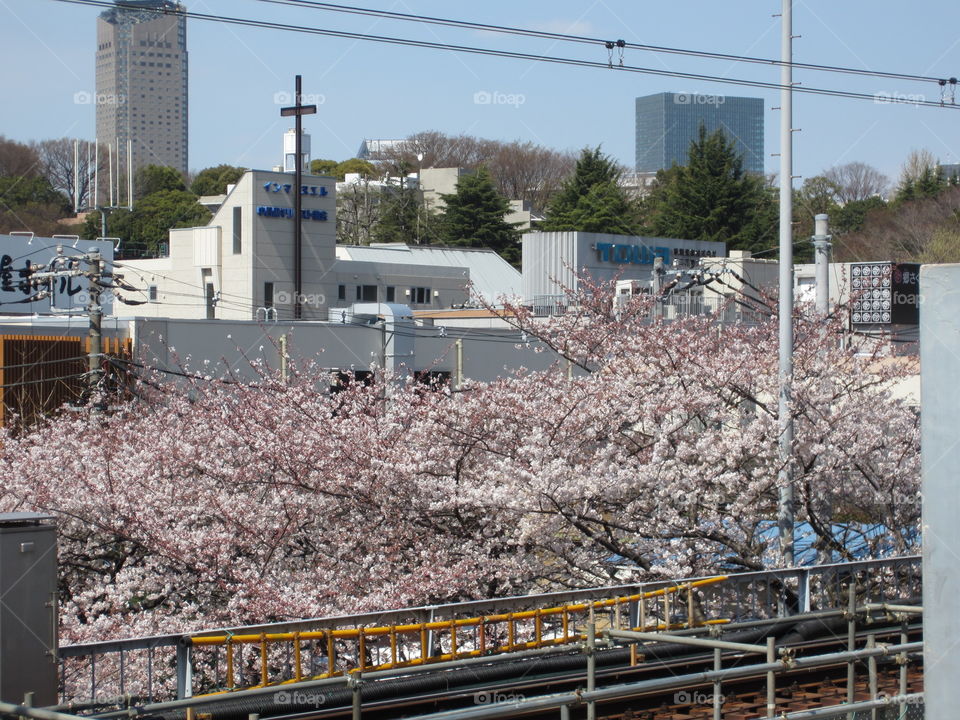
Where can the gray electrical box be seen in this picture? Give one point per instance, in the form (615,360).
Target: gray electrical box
(28,613)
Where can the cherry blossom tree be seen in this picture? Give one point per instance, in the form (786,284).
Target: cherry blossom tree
(648,450)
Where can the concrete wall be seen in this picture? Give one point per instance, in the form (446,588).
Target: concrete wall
(940,424)
(487,354)
(435,182)
(227,347)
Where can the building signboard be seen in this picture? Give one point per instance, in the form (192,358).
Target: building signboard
(21,258)
(884,293)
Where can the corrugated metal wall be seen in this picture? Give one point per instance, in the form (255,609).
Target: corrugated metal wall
(40,373)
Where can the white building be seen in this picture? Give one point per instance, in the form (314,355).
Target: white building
(240,265)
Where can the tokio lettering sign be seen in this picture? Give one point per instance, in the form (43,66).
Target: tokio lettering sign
(623,254)
(285,212)
(317,190)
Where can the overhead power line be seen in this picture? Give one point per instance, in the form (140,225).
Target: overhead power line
(603,42)
(531,57)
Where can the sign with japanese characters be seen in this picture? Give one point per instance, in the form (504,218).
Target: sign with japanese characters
(884,293)
(22,257)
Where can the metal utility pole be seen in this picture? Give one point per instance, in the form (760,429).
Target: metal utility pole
(95,334)
(76,176)
(298,110)
(656,283)
(821,254)
(785,509)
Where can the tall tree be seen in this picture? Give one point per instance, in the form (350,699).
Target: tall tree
(713,198)
(856,181)
(31,204)
(927,184)
(520,170)
(58,166)
(918,162)
(402,217)
(154,178)
(591,197)
(214,180)
(18,159)
(358,212)
(143,230)
(474,216)
(322,166)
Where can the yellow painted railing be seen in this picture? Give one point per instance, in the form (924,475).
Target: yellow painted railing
(483,640)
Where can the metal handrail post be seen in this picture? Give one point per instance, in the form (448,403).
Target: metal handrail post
(771,678)
(851,638)
(184,670)
(717,686)
(590,649)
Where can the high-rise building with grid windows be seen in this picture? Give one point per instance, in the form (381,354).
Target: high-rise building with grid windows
(668,122)
(142,83)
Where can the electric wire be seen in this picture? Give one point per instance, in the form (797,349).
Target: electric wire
(45,362)
(407,42)
(565,37)
(43,380)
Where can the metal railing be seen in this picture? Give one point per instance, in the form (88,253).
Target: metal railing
(183,665)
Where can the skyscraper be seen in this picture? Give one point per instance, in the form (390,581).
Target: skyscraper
(668,122)
(142,83)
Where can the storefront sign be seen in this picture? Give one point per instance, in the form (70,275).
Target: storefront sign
(631,254)
(317,190)
(267,211)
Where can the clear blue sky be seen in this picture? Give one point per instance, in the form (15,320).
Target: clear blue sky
(378,91)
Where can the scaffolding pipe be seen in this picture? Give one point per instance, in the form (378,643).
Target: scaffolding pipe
(616,692)
(887,607)
(903,671)
(681,640)
(845,708)
(36,713)
(591,649)
(213,699)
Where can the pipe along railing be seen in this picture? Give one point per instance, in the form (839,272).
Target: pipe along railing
(180,665)
(465,637)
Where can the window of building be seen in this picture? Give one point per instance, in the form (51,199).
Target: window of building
(366,293)
(341,292)
(391,293)
(210,294)
(433,379)
(343,379)
(152,294)
(420,295)
(237,230)
(268,295)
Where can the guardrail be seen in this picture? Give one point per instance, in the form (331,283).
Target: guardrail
(216,660)
(437,641)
